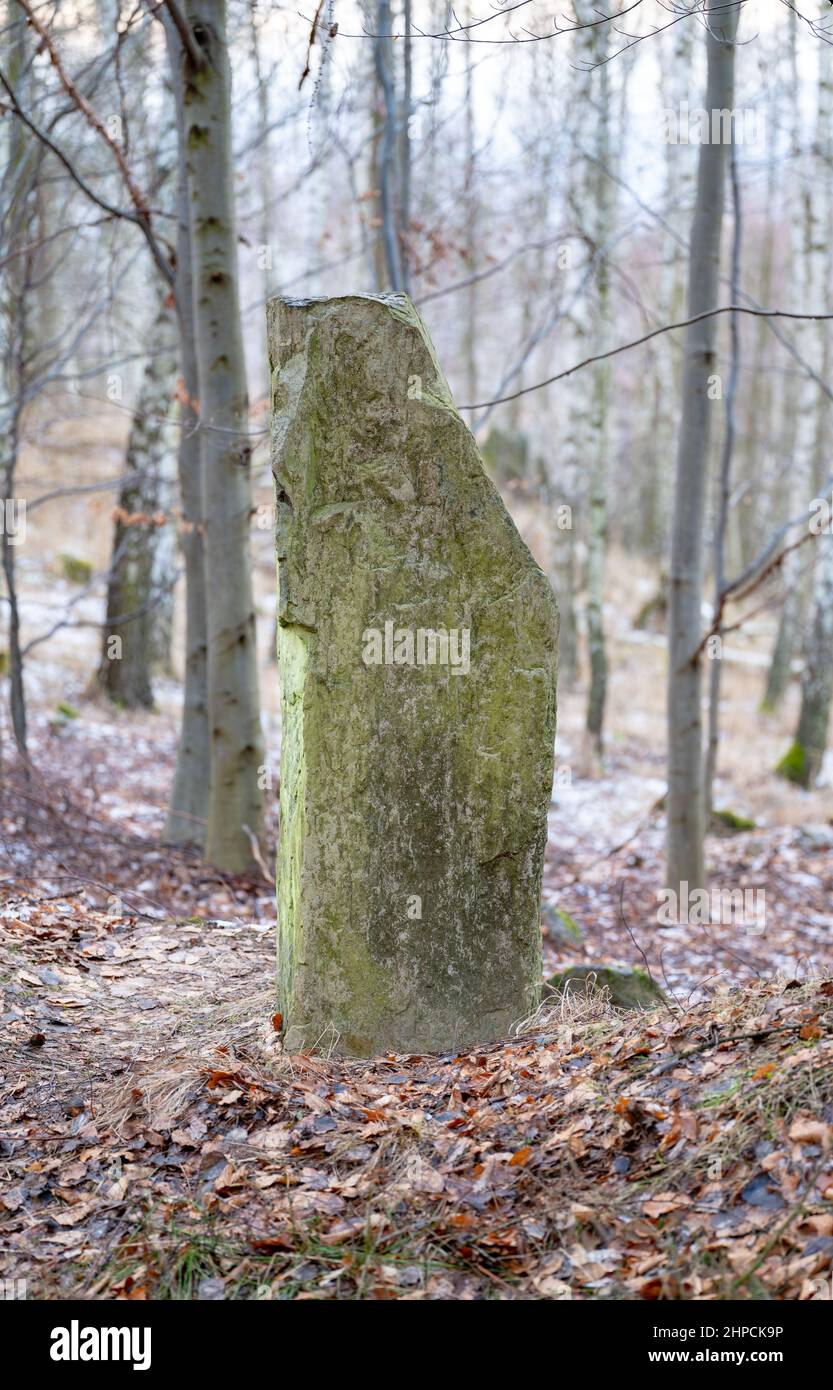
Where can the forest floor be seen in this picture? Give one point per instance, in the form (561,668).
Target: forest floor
(156,1142)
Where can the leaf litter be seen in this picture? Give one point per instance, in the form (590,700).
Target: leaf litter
(157,1142)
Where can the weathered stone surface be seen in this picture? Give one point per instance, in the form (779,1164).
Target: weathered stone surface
(414,794)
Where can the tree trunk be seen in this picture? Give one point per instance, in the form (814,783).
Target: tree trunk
(377,265)
(597,535)
(268,200)
(132,601)
(803,259)
(802,763)
(724,497)
(20,185)
(235,802)
(405,151)
(597,209)
(188,806)
(471,310)
(382,48)
(685,735)
(677,197)
(165,567)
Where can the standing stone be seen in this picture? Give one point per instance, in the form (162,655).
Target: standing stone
(417,647)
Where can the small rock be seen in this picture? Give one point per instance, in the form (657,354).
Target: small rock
(211,1290)
(628,989)
(761,1193)
(560,927)
(322,1124)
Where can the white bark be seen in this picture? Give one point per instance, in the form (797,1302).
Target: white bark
(808,256)
(132,601)
(235,801)
(388,179)
(596,212)
(685,828)
(188,807)
(804,761)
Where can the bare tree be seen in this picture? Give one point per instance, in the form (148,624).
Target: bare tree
(597,211)
(388,181)
(18,210)
(132,603)
(807,263)
(685,811)
(803,761)
(235,802)
(188,806)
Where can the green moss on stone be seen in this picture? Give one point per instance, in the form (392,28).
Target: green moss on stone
(628,989)
(74,569)
(401,786)
(560,925)
(793,765)
(730,820)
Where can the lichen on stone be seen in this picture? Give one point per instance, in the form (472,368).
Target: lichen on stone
(413,797)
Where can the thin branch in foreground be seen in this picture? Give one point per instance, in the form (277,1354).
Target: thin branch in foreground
(646,337)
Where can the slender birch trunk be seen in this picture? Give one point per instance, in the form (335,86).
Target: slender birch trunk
(803,211)
(19,207)
(802,763)
(128,639)
(471,232)
(600,422)
(164,573)
(383,56)
(405,150)
(566,470)
(597,212)
(188,808)
(235,802)
(678,189)
(686,819)
(376,241)
(267,195)
(724,496)
(757,438)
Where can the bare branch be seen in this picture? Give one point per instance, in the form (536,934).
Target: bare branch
(142,212)
(646,337)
